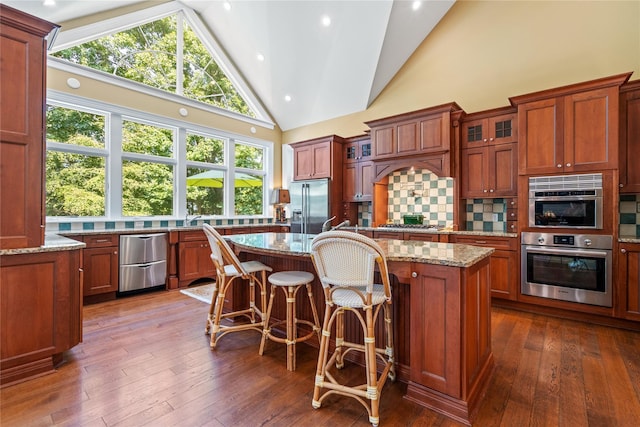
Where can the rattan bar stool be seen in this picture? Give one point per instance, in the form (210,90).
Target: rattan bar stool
(290,282)
(345,263)
(229,272)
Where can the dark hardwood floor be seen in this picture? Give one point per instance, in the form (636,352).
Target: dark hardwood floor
(145,360)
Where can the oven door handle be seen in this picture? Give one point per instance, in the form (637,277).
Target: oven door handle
(592,253)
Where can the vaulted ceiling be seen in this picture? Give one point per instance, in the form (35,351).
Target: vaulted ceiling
(309,71)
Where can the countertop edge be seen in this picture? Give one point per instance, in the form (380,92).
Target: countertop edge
(52,243)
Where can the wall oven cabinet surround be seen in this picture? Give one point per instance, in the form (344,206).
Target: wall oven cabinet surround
(630,137)
(566,201)
(22,79)
(628,283)
(568,267)
(416,133)
(318,158)
(358,170)
(570,129)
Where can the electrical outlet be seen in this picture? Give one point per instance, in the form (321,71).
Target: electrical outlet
(495,217)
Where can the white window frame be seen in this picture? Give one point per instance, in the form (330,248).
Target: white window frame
(114,114)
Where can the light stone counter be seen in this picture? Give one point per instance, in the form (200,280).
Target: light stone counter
(52,243)
(294,244)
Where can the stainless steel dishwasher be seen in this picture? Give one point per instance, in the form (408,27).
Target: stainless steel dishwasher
(143,261)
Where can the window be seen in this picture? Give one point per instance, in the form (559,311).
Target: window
(75,162)
(106,161)
(147,180)
(148,53)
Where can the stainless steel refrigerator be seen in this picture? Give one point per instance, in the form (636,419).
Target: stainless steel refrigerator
(309,205)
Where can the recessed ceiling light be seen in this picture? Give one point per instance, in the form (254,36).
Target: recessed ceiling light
(226,5)
(416,5)
(49,2)
(260,57)
(326,21)
(287,98)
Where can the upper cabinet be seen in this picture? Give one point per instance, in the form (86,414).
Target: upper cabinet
(570,129)
(480,132)
(358,170)
(630,137)
(22,79)
(417,133)
(318,158)
(489,155)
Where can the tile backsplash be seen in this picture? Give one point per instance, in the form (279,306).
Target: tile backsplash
(486,215)
(629,215)
(420,192)
(142,224)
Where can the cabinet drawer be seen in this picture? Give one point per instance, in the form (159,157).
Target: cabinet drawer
(141,276)
(503,243)
(100,240)
(190,236)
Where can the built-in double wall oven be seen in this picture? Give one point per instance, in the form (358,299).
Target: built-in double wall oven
(556,263)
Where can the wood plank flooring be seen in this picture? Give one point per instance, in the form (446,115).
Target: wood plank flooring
(145,361)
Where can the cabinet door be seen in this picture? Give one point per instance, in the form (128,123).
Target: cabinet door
(474,173)
(384,141)
(351,152)
(630,142)
(423,237)
(504,274)
(474,133)
(591,130)
(434,133)
(303,163)
(366,181)
(321,160)
(628,305)
(540,137)
(22,76)
(349,176)
(407,138)
(195,261)
(502,129)
(100,270)
(503,162)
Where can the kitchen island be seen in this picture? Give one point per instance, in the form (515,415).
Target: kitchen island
(441,314)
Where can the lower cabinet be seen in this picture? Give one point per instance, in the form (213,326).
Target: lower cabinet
(100,267)
(504,263)
(41,311)
(628,283)
(194,257)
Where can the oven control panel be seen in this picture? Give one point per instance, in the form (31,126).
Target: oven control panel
(561,239)
(591,241)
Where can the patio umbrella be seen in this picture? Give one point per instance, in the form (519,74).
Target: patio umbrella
(215,179)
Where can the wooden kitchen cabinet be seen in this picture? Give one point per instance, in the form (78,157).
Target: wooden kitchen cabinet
(22,144)
(627,305)
(630,137)
(194,258)
(504,263)
(570,129)
(417,133)
(479,130)
(358,170)
(41,310)
(318,158)
(100,267)
(489,171)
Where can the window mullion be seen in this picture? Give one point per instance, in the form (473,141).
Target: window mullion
(114,167)
(180,54)
(229,190)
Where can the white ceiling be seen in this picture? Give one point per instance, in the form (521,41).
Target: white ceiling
(327,71)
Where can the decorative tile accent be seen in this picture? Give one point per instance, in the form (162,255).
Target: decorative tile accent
(421,192)
(142,224)
(480,215)
(629,215)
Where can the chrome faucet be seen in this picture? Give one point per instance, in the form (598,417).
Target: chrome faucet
(188,221)
(344,223)
(327,224)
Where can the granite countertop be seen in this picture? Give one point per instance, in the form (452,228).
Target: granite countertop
(628,239)
(52,243)
(167,229)
(294,244)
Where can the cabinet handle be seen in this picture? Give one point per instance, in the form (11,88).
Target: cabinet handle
(484,140)
(513,226)
(484,191)
(513,203)
(624,251)
(559,165)
(414,274)
(621,185)
(512,214)
(490,139)
(568,165)
(491,191)
(102,240)
(115,252)
(482,242)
